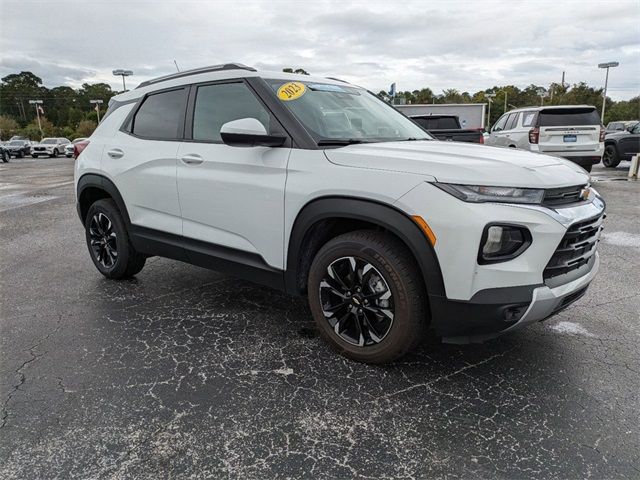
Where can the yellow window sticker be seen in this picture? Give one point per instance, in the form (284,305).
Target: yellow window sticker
(291,91)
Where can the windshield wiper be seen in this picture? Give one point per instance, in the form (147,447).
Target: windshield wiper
(339,141)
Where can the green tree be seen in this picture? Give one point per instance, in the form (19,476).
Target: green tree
(85,128)
(15,92)
(299,71)
(8,127)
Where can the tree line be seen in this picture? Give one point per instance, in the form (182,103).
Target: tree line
(67,112)
(507,97)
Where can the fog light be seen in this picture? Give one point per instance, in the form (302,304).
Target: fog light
(503,242)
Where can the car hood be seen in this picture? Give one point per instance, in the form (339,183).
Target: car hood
(464,163)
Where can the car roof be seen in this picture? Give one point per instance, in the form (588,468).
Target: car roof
(217,72)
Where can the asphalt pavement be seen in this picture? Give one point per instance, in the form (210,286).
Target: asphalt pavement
(182,372)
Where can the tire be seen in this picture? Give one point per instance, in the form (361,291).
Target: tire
(68,156)
(105,232)
(20,155)
(588,167)
(33,155)
(610,158)
(54,154)
(390,284)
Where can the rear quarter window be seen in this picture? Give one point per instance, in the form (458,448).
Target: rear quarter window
(161,116)
(562,117)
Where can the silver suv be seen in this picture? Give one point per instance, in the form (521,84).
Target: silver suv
(573,132)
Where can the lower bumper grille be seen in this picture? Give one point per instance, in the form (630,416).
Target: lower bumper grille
(576,247)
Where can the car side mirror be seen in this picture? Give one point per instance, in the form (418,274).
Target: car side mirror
(249,132)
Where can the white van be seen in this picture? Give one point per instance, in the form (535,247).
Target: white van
(573,132)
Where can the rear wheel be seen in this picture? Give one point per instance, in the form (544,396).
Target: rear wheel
(610,157)
(108,242)
(367,296)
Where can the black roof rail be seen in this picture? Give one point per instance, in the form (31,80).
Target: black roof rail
(196,71)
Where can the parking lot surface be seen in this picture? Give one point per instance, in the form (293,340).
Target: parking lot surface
(186,373)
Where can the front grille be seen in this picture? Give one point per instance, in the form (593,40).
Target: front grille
(562,196)
(40,149)
(576,247)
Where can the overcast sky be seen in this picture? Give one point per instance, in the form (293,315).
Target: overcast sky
(440,44)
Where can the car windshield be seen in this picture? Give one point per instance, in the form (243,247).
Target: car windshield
(48,141)
(343,114)
(15,142)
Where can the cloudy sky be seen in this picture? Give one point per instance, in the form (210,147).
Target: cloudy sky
(465,45)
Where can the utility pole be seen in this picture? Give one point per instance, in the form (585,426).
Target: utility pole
(489,97)
(97,104)
(606,80)
(37,103)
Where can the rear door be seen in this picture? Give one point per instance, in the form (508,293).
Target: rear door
(571,129)
(141,159)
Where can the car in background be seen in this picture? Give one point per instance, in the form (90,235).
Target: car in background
(621,146)
(448,128)
(52,147)
(68,149)
(18,147)
(573,132)
(615,127)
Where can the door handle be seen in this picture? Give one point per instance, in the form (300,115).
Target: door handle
(115,153)
(192,159)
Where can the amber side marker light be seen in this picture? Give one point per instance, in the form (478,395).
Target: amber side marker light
(426,229)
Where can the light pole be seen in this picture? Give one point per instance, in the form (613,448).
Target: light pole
(123,73)
(97,107)
(37,103)
(489,97)
(541,93)
(607,65)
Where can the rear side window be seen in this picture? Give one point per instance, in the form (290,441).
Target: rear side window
(512,121)
(562,117)
(528,118)
(161,116)
(221,103)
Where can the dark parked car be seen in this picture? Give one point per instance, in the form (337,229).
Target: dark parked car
(614,127)
(621,146)
(448,128)
(18,148)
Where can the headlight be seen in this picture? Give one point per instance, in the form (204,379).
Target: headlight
(481,193)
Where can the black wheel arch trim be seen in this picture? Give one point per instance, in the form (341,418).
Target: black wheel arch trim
(378,213)
(92,180)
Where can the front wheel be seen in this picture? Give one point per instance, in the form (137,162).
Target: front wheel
(367,296)
(610,157)
(108,242)
(54,154)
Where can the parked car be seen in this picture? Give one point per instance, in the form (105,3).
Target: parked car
(4,154)
(571,132)
(318,188)
(52,147)
(614,127)
(621,146)
(68,149)
(448,128)
(18,148)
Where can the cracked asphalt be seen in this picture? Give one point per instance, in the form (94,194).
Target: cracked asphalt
(187,373)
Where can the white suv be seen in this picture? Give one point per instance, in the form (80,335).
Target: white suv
(316,187)
(570,131)
(51,147)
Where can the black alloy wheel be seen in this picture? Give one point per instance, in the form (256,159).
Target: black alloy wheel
(367,296)
(103,239)
(357,301)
